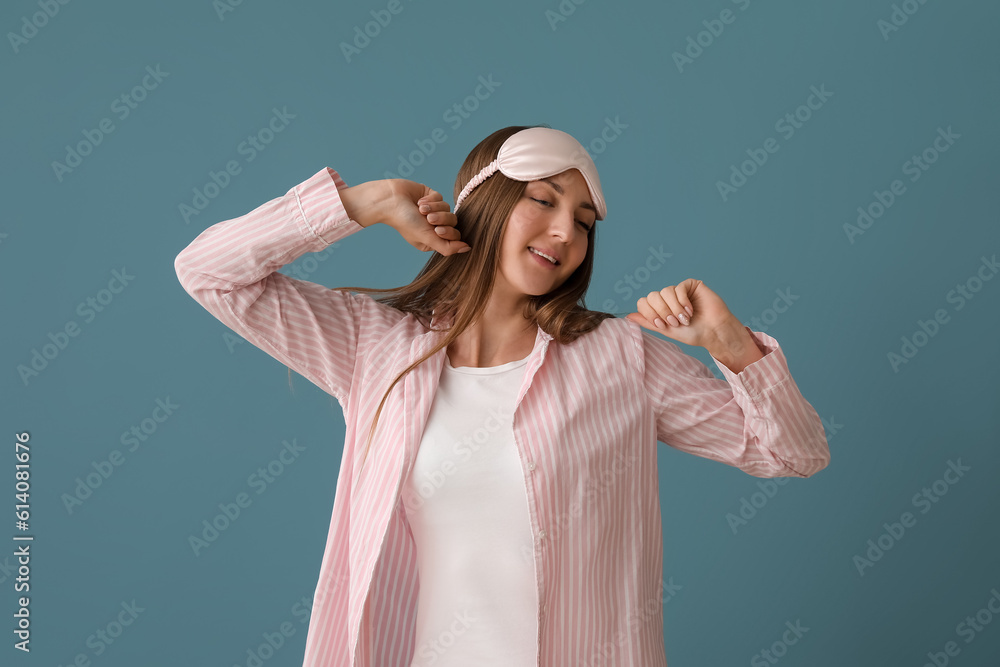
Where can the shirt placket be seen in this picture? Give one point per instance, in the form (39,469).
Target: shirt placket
(530,467)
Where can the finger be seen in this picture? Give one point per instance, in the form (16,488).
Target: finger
(446,247)
(650,314)
(432,206)
(448,233)
(442,218)
(689,285)
(663,313)
(670,298)
(447,239)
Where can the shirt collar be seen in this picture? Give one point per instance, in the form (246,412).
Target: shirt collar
(445,321)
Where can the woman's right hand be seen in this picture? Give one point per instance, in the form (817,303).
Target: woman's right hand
(423,218)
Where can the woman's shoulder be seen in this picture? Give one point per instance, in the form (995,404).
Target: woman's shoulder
(604,328)
(377,318)
(612,347)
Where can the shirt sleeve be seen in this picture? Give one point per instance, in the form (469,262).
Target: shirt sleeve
(231,269)
(756,420)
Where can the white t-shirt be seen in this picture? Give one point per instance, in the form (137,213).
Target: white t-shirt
(467,506)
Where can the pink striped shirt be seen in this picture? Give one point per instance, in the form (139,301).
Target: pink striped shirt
(586,422)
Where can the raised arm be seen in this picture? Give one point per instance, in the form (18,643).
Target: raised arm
(756,420)
(231,269)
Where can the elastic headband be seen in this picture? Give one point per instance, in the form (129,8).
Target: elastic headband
(540,152)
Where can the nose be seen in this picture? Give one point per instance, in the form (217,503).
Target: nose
(562,224)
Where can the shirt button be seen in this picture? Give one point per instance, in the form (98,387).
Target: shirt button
(541,534)
(531,465)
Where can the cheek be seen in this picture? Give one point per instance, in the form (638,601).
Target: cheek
(519,231)
(525,215)
(581,251)
(512,245)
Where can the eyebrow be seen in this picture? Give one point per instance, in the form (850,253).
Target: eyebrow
(558,188)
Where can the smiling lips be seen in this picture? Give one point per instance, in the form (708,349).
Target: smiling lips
(544,257)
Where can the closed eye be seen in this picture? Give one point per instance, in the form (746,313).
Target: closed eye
(546,203)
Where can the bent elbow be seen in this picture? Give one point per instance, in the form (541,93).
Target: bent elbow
(788,467)
(803,467)
(184,269)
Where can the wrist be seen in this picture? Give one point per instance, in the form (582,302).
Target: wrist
(734,346)
(365,203)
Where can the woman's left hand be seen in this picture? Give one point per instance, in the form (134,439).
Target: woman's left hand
(708,315)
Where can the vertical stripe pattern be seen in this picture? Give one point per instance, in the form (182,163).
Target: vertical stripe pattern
(586,424)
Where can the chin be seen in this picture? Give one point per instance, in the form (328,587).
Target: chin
(543,291)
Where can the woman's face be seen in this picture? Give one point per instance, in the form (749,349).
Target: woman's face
(553,216)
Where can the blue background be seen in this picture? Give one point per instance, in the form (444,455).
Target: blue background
(681,129)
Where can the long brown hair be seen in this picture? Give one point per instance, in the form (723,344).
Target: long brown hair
(461,284)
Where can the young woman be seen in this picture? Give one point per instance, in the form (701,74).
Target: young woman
(497,501)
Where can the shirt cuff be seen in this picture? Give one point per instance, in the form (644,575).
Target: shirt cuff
(322,212)
(763,375)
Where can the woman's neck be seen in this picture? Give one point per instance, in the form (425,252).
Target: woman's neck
(493,342)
